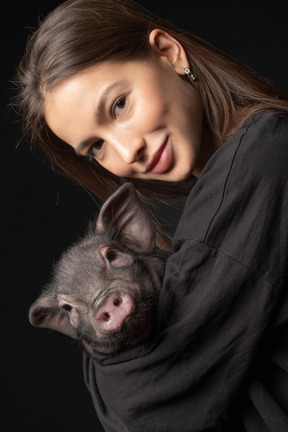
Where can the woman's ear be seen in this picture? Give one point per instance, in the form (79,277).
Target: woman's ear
(167,48)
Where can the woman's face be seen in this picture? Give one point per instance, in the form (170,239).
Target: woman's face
(137,119)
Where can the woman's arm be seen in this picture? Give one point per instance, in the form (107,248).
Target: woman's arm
(223,305)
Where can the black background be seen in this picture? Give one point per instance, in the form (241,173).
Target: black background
(41,371)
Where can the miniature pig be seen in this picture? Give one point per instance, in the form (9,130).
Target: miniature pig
(105,287)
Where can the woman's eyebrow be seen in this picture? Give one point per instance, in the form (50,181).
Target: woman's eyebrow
(100,110)
(99,114)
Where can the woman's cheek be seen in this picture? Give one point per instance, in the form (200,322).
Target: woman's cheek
(150,114)
(113,163)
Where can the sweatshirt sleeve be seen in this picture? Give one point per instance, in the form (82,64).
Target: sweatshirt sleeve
(222,315)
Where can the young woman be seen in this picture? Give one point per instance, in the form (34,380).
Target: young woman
(113,93)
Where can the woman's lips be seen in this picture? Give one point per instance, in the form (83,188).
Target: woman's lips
(162,159)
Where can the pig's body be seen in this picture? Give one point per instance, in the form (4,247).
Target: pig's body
(105,287)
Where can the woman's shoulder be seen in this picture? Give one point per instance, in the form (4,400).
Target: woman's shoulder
(268,131)
(269,121)
(246,174)
(259,149)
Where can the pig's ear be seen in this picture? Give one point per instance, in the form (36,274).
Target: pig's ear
(129,219)
(46,313)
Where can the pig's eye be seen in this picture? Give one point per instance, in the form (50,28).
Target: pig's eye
(111,255)
(67,307)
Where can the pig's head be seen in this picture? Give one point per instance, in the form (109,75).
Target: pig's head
(105,287)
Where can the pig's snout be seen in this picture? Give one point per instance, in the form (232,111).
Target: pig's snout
(112,314)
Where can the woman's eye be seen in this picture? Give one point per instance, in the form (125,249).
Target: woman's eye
(118,106)
(67,307)
(95,149)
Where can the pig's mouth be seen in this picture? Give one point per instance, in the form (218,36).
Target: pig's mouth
(131,324)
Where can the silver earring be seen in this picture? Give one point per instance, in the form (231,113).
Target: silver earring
(189,74)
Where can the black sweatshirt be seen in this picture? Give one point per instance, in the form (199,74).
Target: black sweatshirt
(222,344)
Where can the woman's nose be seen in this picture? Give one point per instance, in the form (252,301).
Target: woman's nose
(130,148)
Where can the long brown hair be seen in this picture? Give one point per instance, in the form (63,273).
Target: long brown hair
(81,33)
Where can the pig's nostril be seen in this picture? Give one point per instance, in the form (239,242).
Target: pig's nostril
(112,314)
(117,301)
(105,317)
